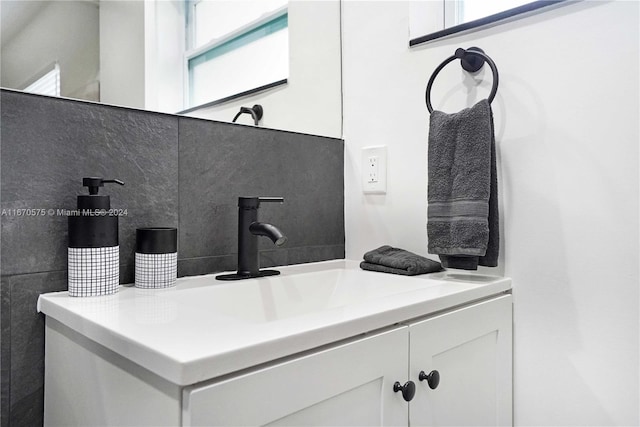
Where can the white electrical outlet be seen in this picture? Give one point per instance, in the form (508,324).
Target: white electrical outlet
(374,170)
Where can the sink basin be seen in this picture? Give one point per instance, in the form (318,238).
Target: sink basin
(289,295)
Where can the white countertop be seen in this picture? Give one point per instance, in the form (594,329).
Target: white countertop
(203,328)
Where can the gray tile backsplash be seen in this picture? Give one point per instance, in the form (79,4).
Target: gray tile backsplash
(180,172)
(49,145)
(220,163)
(5,349)
(26,395)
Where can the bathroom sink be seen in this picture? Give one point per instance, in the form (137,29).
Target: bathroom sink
(203,328)
(289,295)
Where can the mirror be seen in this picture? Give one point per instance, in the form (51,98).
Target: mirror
(430,20)
(37,36)
(203,58)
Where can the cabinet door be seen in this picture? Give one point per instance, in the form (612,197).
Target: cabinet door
(348,384)
(471,348)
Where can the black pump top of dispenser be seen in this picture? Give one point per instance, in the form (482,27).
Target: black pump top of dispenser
(94,183)
(93,200)
(94,226)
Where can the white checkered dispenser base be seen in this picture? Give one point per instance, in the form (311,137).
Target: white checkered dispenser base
(94,254)
(156,257)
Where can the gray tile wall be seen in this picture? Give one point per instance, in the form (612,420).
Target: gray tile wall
(178,171)
(255,162)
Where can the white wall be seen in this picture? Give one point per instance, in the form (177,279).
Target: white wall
(566,118)
(62,31)
(311,100)
(141,54)
(122,53)
(164,55)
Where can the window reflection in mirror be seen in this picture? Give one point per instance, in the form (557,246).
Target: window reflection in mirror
(138,53)
(227,39)
(104,51)
(52,42)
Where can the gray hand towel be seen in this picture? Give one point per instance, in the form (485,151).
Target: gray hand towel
(387,259)
(462,215)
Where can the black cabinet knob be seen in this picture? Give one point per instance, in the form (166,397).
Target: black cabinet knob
(408,389)
(433,378)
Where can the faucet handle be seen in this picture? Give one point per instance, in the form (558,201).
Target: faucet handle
(254,202)
(271,199)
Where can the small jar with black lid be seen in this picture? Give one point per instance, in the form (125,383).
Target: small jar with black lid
(156,257)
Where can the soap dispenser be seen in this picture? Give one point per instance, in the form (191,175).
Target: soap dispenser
(94,252)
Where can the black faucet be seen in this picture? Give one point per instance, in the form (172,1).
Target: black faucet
(256,112)
(248,231)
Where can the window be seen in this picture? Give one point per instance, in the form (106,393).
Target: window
(431,20)
(461,11)
(236,46)
(47,84)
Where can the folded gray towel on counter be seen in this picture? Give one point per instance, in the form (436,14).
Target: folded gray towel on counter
(462,225)
(387,259)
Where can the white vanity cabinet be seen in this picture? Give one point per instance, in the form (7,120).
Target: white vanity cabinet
(322,344)
(471,349)
(352,384)
(348,385)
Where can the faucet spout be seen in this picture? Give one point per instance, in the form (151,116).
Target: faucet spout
(268,230)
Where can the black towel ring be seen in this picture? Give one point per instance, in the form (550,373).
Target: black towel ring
(471,60)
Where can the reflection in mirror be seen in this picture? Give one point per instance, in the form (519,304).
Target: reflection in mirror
(100,49)
(226,38)
(205,58)
(38,37)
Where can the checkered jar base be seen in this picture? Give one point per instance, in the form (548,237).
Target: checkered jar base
(155,271)
(93,271)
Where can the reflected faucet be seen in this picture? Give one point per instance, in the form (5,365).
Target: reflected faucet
(248,231)
(256,113)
